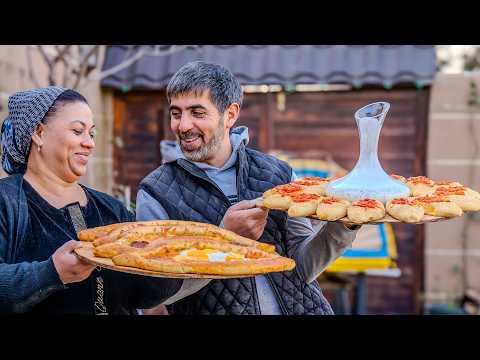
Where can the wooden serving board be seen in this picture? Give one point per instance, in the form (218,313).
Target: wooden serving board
(386,219)
(86,253)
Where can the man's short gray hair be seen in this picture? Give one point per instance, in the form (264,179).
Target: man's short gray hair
(198,76)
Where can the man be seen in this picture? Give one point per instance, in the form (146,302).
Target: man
(213,177)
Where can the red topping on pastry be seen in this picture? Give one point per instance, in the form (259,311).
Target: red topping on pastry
(420,180)
(313,178)
(432,199)
(329,200)
(307,182)
(454,190)
(367,203)
(289,188)
(404,201)
(305,197)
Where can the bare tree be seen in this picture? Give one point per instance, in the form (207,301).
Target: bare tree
(472,59)
(458,58)
(74,66)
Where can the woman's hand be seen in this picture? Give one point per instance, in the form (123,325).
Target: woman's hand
(69,267)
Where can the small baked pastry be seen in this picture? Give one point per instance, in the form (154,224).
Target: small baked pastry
(420,185)
(436,205)
(332,208)
(455,184)
(279,197)
(405,209)
(314,185)
(460,196)
(472,193)
(365,210)
(303,204)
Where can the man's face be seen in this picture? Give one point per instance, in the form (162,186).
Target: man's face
(198,126)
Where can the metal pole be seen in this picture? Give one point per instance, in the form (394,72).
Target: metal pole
(361,296)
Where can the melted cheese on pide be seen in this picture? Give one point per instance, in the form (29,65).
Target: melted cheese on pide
(208,255)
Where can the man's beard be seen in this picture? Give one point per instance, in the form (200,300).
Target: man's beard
(205,151)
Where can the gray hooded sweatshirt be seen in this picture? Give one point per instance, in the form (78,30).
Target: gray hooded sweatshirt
(320,247)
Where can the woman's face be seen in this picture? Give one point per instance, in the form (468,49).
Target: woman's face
(67,140)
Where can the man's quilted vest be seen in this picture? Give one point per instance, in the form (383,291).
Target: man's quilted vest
(187,193)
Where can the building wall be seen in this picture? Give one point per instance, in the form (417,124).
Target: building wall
(452,249)
(14,77)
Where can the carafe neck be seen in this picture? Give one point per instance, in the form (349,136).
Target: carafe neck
(369,131)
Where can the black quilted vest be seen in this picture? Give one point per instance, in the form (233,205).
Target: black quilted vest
(187,193)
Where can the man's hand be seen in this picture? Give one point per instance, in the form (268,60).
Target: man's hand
(245,219)
(69,267)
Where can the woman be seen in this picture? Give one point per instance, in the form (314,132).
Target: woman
(47,140)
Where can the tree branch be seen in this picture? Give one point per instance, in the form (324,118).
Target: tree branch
(140,53)
(61,54)
(119,67)
(51,79)
(77,68)
(96,56)
(83,66)
(31,73)
(45,56)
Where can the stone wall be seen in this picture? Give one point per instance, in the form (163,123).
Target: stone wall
(452,253)
(14,77)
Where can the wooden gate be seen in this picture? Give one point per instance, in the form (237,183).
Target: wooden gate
(138,130)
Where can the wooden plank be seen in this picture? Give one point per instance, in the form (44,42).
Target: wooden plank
(422,104)
(139,125)
(118,119)
(254,114)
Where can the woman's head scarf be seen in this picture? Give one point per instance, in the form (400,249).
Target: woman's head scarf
(26,109)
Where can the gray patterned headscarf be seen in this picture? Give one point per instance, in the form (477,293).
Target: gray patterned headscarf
(26,109)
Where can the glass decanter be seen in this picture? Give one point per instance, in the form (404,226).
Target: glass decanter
(368,179)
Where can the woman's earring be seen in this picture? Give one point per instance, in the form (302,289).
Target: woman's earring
(39,147)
